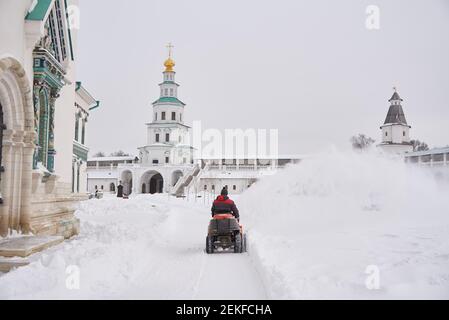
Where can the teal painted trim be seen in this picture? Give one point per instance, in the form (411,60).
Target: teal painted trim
(46,75)
(95,106)
(80,152)
(78,85)
(40,10)
(169,100)
(169,82)
(69,31)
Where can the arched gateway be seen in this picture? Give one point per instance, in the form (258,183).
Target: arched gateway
(152,182)
(17,147)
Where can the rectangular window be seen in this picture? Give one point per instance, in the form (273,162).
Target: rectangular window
(180,117)
(173,115)
(171,92)
(167,137)
(155,116)
(205,187)
(166,92)
(234,187)
(167,159)
(163,115)
(155,161)
(157,137)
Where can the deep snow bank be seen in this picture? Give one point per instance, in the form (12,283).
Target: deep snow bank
(317,226)
(114,235)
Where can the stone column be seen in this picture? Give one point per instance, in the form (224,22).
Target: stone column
(7,182)
(134,188)
(16,201)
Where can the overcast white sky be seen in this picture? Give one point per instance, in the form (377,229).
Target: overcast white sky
(308,68)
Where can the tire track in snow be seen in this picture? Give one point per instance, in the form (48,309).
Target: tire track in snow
(217,276)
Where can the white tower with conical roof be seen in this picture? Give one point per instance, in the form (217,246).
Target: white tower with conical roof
(395,130)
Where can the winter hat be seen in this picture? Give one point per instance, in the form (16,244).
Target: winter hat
(224,192)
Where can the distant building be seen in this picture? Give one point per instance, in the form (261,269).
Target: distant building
(395,130)
(84,103)
(167,163)
(438,157)
(236,175)
(103,174)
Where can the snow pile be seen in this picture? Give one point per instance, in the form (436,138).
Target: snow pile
(320,228)
(147,247)
(114,234)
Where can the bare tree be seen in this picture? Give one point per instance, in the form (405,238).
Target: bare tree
(99,155)
(119,153)
(419,145)
(361,141)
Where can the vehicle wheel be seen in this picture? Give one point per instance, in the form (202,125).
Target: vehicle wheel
(238,243)
(209,245)
(244,247)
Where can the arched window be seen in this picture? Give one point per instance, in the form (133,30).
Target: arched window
(112,187)
(234,187)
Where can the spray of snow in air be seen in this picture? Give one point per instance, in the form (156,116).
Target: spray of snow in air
(317,226)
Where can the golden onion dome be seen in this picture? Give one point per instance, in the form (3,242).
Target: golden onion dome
(169,64)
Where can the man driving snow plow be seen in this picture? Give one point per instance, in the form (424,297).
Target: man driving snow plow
(225,230)
(223,205)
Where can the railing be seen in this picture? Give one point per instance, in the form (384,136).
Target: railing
(186,179)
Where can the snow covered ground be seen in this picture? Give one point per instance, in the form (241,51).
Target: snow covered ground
(314,230)
(326,227)
(147,247)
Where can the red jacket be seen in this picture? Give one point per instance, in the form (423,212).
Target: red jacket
(224,205)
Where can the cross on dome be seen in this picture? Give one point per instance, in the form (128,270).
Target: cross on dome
(169,63)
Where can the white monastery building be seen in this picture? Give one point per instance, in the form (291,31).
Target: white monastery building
(168,162)
(43,113)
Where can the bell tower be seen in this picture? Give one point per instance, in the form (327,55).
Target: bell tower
(395,130)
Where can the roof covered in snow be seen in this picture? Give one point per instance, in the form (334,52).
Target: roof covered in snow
(100,159)
(428,152)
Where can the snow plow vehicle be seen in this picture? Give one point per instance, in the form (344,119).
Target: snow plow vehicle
(225,232)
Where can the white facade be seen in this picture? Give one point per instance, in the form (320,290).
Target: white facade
(37,99)
(84,103)
(165,158)
(395,130)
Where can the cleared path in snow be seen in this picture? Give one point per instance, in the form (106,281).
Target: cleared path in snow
(187,271)
(147,247)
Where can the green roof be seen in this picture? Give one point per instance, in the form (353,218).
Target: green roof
(39,11)
(169,100)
